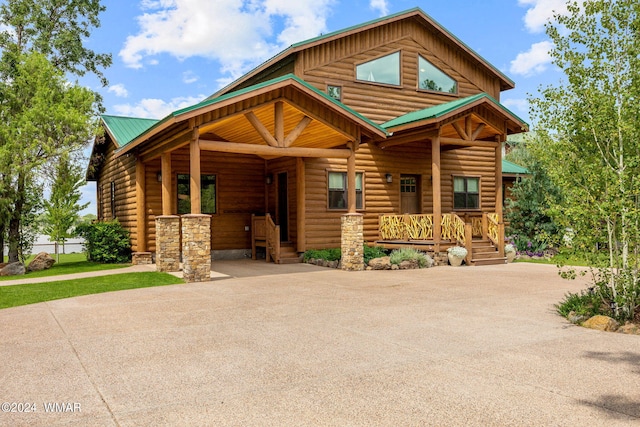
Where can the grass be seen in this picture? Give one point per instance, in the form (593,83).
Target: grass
(69,264)
(568,258)
(17,295)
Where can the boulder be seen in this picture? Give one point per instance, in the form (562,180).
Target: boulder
(42,261)
(629,328)
(601,323)
(575,318)
(383,263)
(13,269)
(409,264)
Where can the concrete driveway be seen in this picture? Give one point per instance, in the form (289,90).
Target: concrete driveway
(445,346)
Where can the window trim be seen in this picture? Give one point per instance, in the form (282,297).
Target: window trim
(465,177)
(420,89)
(389,85)
(346,208)
(202,174)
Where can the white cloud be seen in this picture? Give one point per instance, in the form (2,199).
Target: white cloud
(534,61)
(237,33)
(119,90)
(189,77)
(541,12)
(379,5)
(519,104)
(154,108)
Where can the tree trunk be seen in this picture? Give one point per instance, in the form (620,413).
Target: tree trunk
(15,220)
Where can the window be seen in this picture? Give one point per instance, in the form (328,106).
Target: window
(207,194)
(466,193)
(382,70)
(338,190)
(335,92)
(431,78)
(113,199)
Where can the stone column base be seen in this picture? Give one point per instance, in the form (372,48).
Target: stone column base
(168,243)
(352,242)
(196,248)
(141,258)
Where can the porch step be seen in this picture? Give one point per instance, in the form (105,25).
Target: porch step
(485,253)
(289,255)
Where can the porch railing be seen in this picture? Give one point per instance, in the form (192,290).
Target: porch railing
(452,228)
(265,233)
(273,239)
(420,227)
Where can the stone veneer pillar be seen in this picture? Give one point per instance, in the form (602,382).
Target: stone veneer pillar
(141,258)
(352,242)
(196,247)
(168,243)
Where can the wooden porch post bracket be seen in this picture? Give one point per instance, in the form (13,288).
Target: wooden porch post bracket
(437,191)
(166,183)
(194,170)
(279,140)
(261,129)
(279,122)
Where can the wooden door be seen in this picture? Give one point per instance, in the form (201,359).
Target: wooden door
(282,215)
(410,194)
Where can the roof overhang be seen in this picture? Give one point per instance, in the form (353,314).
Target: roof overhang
(228,118)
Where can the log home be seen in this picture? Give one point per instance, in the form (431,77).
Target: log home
(385,133)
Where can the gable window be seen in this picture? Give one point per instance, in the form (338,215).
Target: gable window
(207,194)
(334,92)
(431,78)
(466,193)
(338,190)
(385,70)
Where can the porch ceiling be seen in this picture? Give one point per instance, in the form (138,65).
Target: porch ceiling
(237,128)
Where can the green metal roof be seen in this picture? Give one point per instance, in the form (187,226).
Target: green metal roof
(126,129)
(512,168)
(443,109)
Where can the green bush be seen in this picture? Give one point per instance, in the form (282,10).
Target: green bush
(332,254)
(585,303)
(106,242)
(371,252)
(408,254)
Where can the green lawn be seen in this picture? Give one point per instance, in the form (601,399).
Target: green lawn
(575,259)
(16,295)
(69,263)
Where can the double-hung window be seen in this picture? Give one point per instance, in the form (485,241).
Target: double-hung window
(466,192)
(337,185)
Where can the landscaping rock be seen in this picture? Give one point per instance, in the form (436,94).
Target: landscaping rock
(42,261)
(395,267)
(13,269)
(630,329)
(383,263)
(3,265)
(409,264)
(601,323)
(576,318)
(333,264)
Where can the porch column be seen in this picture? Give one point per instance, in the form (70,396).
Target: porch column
(141,256)
(196,228)
(194,170)
(437,191)
(167,225)
(352,223)
(499,197)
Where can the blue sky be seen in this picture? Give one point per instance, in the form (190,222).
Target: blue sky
(169,54)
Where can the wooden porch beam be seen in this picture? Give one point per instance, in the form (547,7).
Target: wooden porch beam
(265,150)
(456,141)
(261,129)
(463,134)
(181,140)
(479,129)
(295,133)
(279,123)
(194,170)
(404,139)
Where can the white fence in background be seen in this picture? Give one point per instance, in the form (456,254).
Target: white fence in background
(43,244)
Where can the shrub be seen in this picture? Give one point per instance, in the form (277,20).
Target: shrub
(106,242)
(371,252)
(333,254)
(586,303)
(408,254)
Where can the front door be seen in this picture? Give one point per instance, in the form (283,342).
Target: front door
(410,194)
(282,215)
